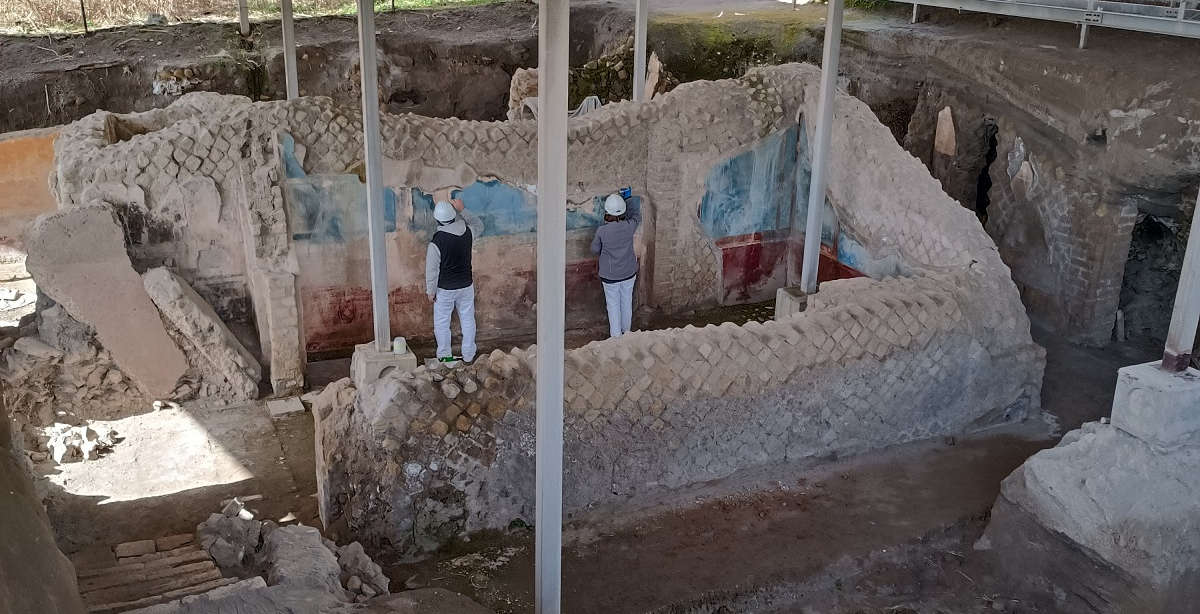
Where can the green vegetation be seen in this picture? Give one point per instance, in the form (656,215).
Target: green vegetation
(64,16)
(867,5)
(698,48)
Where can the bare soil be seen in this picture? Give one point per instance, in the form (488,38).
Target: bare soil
(817,538)
(172,468)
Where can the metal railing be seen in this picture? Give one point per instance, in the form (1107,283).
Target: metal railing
(1173,17)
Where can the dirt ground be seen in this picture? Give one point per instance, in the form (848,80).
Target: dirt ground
(735,542)
(171,468)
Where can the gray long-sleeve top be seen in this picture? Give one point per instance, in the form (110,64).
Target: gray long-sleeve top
(614,243)
(433,256)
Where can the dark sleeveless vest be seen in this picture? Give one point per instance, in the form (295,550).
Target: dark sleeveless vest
(455,271)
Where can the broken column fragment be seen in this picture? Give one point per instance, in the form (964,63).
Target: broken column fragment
(78,258)
(224,357)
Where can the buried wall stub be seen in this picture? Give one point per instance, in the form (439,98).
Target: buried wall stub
(418,458)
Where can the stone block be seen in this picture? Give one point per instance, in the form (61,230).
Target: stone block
(1117,499)
(789,301)
(369,364)
(77,257)
(283,407)
(1159,407)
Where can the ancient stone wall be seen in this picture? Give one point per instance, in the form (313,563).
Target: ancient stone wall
(416,459)
(257,206)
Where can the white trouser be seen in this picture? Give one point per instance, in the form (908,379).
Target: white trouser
(619,299)
(446,302)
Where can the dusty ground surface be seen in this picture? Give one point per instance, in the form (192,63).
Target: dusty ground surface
(172,468)
(736,541)
(18,293)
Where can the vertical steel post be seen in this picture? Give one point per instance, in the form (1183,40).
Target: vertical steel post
(553,53)
(1182,10)
(369,70)
(639,50)
(1181,336)
(1083,28)
(916,9)
(289,50)
(243,18)
(820,157)
(83,12)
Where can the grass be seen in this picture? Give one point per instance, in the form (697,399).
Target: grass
(64,16)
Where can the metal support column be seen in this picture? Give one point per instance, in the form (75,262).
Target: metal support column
(1181,336)
(289,49)
(372,145)
(820,157)
(916,8)
(639,50)
(553,55)
(243,18)
(1083,28)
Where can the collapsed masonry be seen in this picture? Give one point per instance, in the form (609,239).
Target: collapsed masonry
(938,345)
(115,339)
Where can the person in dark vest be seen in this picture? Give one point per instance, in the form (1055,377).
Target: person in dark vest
(448,279)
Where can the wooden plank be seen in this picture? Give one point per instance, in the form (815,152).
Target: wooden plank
(110,608)
(183,555)
(172,542)
(121,579)
(156,586)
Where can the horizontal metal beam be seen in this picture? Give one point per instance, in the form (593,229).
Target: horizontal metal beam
(1169,23)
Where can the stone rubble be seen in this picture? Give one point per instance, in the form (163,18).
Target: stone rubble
(293,556)
(70,444)
(59,373)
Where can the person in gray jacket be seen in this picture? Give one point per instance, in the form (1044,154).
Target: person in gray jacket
(449,280)
(618,262)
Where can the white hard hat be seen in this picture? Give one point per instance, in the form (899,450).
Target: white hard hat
(444,212)
(614,205)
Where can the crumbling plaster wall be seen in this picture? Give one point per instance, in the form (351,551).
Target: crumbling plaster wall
(418,458)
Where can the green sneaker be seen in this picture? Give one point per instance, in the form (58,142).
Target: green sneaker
(449,359)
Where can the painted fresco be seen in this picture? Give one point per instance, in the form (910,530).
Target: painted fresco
(752,192)
(327,208)
(748,210)
(755,209)
(504,209)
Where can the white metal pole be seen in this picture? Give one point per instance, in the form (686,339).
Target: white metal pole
(639,50)
(820,157)
(243,18)
(289,49)
(916,8)
(369,70)
(553,53)
(1181,336)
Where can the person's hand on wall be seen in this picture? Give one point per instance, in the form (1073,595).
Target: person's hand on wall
(458,204)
